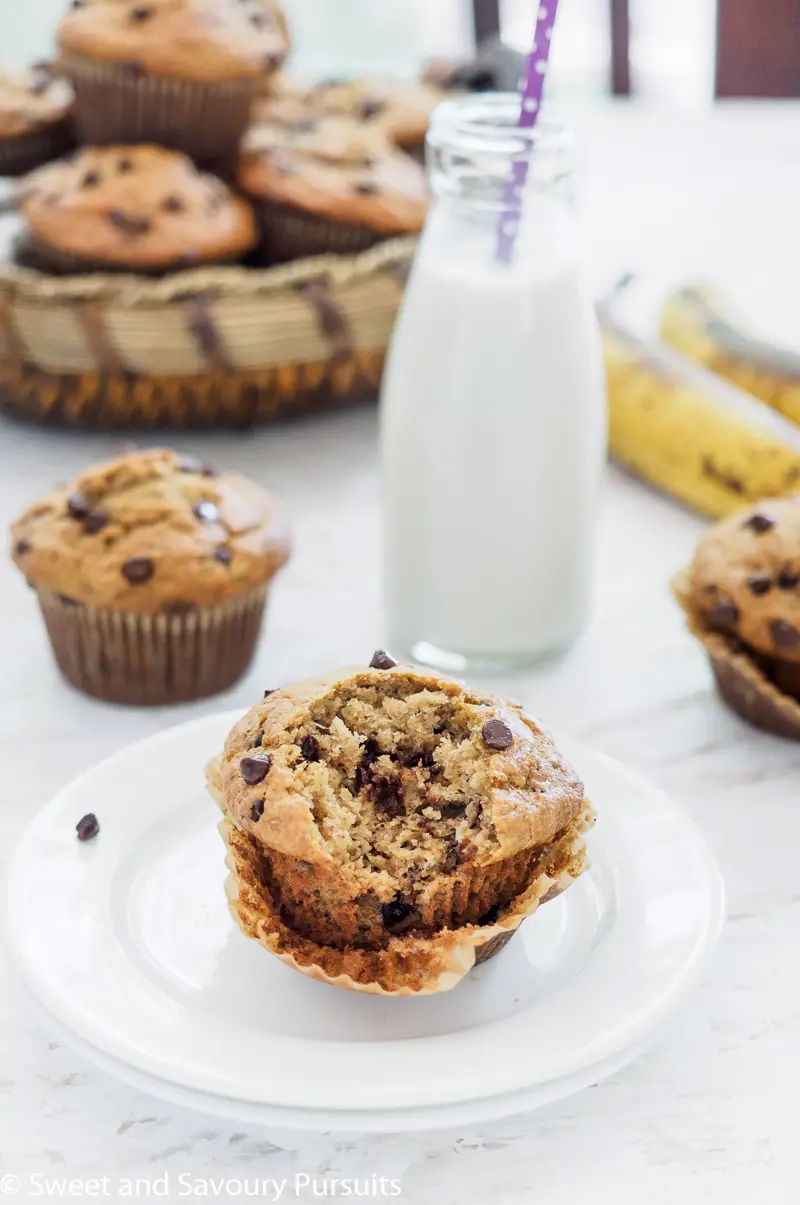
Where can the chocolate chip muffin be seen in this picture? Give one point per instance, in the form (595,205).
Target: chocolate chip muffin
(152,572)
(387,828)
(742,597)
(401,111)
(328,184)
(35,119)
(181,73)
(130,209)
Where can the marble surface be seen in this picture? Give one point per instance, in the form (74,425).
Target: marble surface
(708,1114)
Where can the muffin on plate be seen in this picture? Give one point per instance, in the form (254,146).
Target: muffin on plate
(35,119)
(130,209)
(741,595)
(152,572)
(181,73)
(328,184)
(388,828)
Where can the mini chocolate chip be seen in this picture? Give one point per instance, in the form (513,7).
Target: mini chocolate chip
(367,188)
(787,580)
(87,827)
(21,547)
(258,19)
(257,811)
(759,583)
(95,521)
(223,555)
(141,13)
(396,913)
(381,660)
(423,759)
(255,769)
(133,227)
(784,636)
(722,617)
(453,811)
(387,796)
(267,693)
(309,747)
(77,506)
(272,61)
(90,180)
(173,205)
(258,739)
(370,108)
(207,512)
(124,166)
(497,734)
(138,569)
(759,523)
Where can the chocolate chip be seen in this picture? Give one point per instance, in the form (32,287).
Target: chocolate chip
(77,506)
(387,798)
(138,569)
(87,827)
(267,693)
(423,759)
(381,660)
(759,583)
(124,166)
(759,523)
(272,61)
(22,547)
(141,13)
(95,521)
(787,580)
(257,811)
(453,811)
(370,108)
(207,512)
(259,20)
(90,180)
(451,859)
(367,188)
(722,617)
(497,734)
(255,769)
(66,601)
(223,555)
(173,205)
(784,636)
(258,739)
(396,913)
(133,227)
(309,747)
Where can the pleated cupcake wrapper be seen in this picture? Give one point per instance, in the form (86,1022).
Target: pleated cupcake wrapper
(119,103)
(29,253)
(741,681)
(407,966)
(289,234)
(152,660)
(22,153)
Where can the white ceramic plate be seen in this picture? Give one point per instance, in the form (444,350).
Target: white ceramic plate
(127,945)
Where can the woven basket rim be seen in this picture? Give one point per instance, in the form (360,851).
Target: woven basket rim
(238,282)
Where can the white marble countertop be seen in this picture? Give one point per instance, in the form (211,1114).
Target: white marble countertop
(708,1115)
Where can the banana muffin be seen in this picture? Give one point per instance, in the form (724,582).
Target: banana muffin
(181,73)
(35,119)
(387,828)
(741,594)
(130,209)
(328,184)
(152,572)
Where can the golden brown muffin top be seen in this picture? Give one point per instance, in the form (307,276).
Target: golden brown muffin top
(335,168)
(744,580)
(402,111)
(357,766)
(135,206)
(31,100)
(205,41)
(150,532)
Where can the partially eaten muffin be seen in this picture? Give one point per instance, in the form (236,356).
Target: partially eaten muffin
(385,825)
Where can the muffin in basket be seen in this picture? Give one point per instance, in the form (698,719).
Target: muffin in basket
(741,595)
(35,119)
(181,73)
(130,209)
(328,184)
(400,110)
(388,828)
(152,572)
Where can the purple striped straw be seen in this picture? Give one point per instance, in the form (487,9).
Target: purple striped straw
(530,105)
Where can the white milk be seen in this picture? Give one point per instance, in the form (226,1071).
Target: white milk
(493,440)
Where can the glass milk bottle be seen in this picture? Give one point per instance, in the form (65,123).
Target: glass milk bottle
(493,406)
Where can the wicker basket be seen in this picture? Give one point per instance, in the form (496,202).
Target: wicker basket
(207,347)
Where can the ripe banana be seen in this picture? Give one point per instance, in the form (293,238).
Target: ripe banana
(695,322)
(694,436)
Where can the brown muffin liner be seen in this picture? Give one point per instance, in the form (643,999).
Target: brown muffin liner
(25,152)
(742,679)
(120,103)
(290,234)
(29,253)
(152,660)
(408,965)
